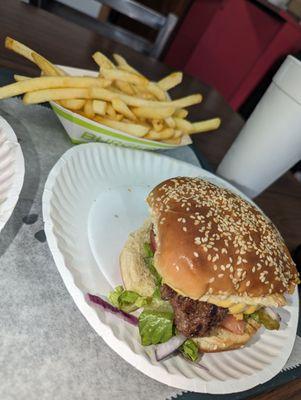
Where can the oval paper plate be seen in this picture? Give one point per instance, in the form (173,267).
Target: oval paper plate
(93,198)
(11,171)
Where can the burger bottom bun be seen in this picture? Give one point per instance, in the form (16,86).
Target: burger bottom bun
(221,339)
(137,277)
(134,272)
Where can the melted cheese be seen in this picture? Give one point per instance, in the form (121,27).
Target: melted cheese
(251,309)
(235,308)
(228,301)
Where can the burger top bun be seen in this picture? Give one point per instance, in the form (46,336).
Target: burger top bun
(211,242)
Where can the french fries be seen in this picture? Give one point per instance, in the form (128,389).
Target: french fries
(88,109)
(158,124)
(73,104)
(132,129)
(99,107)
(183,125)
(123,76)
(170,122)
(123,109)
(18,48)
(31,55)
(49,82)
(102,61)
(120,97)
(153,112)
(108,95)
(19,78)
(111,111)
(206,126)
(123,64)
(45,66)
(170,81)
(163,134)
(41,96)
(181,113)
(104,64)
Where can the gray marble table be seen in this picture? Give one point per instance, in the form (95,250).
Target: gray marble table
(48,350)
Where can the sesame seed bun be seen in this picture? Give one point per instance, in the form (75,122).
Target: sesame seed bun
(134,273)
(136,277)
(212,244)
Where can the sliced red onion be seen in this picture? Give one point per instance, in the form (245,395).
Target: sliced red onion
(195,363)
(284,316)
(273,314)
(152,237)
(98,301)
(165,349)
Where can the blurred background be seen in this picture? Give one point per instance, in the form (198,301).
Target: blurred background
(235,46)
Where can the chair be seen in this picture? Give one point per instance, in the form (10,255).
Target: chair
(164,25)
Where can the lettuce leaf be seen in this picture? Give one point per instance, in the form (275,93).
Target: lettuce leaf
(190,350)
(147,250)
(155,326)
(126,300)
(156,321)
(149,262)
(114,295)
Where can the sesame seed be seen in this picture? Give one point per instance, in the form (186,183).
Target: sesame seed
(223,217)
(195,254)
(197,240)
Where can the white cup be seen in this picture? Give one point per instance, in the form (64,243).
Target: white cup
(270,142)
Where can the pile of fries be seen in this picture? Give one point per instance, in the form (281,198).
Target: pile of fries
(119,97)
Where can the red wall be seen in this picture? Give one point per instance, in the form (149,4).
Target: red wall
(231,44)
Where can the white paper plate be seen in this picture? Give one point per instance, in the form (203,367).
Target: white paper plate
(11,171)
(97,191)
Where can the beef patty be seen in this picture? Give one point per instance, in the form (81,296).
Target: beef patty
(193,317)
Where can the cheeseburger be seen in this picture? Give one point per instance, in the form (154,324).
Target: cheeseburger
(213,259)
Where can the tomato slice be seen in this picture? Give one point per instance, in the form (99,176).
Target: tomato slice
(152,237)
(234,325)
